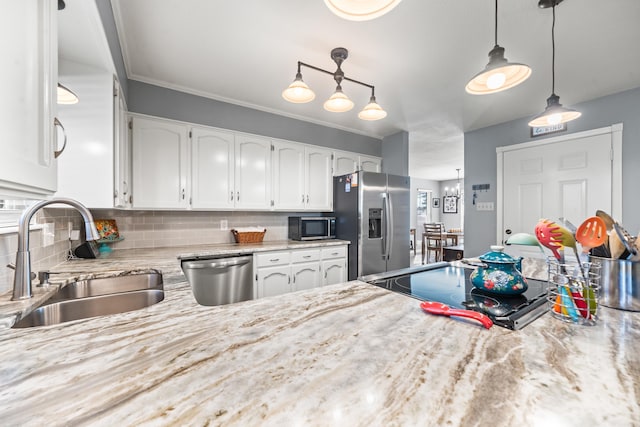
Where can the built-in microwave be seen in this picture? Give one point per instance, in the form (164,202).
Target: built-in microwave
(312,228)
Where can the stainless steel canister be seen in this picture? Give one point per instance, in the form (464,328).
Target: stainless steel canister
(619,284)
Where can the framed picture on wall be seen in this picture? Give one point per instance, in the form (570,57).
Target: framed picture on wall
(450,204)
(436,202)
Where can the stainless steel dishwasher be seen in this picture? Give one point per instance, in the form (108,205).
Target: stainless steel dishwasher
(218,281)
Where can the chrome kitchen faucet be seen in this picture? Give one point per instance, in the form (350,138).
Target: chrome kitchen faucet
(22,278)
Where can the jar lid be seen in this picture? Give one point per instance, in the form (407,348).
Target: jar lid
(497,255)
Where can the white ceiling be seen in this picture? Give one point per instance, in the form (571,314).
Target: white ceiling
(419,57)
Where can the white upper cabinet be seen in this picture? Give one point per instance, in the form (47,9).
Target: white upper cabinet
(370,164)
(28,42)
(301,177)
(253,172)
(288,176)
(319,182)
(344,163)
(212,168)
(160,164)
(122,193)
(90,127)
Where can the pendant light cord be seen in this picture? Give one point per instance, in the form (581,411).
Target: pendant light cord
(553,51)
(496,25)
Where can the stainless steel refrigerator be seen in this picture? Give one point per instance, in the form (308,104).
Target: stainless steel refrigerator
(372,211)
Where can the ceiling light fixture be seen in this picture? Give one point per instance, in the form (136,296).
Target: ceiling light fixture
(66,96)
(455,192)
(298,92)
(554,113)
(499,74)
(360,10)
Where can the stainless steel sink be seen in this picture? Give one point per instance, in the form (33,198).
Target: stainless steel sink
(109,285)
(97,297)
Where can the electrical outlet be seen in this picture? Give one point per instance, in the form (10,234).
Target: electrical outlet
(485,206)
(69,229)
(224,224)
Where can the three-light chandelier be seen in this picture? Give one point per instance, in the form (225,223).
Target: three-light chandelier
(298,92)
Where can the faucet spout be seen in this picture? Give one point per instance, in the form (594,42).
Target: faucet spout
(22,278)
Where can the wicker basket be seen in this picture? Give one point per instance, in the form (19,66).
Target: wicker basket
(248,236)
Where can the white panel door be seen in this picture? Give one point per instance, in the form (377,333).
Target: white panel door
(305,276)
(253,172)
(344,163)
(570,179)
(319,179)
(160,164)
(212,168)
(288,175)
(29,46)
(370,164)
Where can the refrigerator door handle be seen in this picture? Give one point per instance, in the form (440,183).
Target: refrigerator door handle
(387,220)
(384,230)
(389,225)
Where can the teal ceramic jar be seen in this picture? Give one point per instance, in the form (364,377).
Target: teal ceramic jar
(499,273)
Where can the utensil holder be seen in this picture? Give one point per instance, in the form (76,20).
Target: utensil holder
(572,295)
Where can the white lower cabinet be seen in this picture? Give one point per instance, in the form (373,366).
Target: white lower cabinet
(277,273)
(334,265)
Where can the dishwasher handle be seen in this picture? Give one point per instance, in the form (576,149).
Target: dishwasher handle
(217,263)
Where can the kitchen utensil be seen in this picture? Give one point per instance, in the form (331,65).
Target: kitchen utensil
(548,234)
(619,283)
(616,247)
(568,240)
(627,239)
(572,228)
(524,239)
(608,221)
(438,308)
(591,233)
(499,273)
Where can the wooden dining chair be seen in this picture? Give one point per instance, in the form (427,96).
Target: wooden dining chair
(433,241)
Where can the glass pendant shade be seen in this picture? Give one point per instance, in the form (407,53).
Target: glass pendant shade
(360,10)
(338,102)
(65,96)
(498,75)
(298,92)
(372,111)
(554,114)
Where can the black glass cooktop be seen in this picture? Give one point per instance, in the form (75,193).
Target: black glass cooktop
(451,285)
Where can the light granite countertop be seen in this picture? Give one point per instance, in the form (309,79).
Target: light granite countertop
(350,354)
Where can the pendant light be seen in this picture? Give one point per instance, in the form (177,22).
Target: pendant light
(499,74)
(299,92)
(360,10)
(554,113)
(66,96)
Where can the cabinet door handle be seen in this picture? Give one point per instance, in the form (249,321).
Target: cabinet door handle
(306,256)
(183,194)
(307,199)
(57,153)
(126,187)
(237,195)
(231,196)
(302,199)
(274,260)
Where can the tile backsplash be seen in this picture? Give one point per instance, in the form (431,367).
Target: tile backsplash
(140,229)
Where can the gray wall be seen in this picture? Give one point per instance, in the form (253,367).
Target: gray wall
(162,102)
(395,152)
(109,24)
(480,161)
(157,101)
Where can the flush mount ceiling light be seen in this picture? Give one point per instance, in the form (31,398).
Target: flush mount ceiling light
(298,92)
(360,10)
(499,74)
(66,96)
(554,113)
